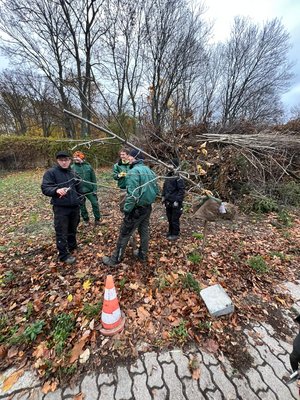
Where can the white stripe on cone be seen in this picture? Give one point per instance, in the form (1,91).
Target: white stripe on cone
(110,294)
(111,318)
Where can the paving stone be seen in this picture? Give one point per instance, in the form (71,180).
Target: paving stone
(209,359)
(71,391)
(172,381)
(124,384)
(288,344)
(222,382)
(257,360)
(243,389)
(294,289)
(217,300)
(277,365)
(216,395)
(255,380)
(53,395)
(205,381)
(191,389)
(182,364)
(89,387)
(106,392)
(165,357)
(105,379)
(268,395)
(159,394)
(273,343)
(137,367)
(154,371)
(274,383)
(139,388)
(26,381)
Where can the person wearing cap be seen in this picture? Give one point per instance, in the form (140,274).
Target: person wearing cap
(88,186)
(172,198)
(64,187)
(142,189)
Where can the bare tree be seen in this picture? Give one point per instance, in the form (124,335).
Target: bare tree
(175,38)
(255,70)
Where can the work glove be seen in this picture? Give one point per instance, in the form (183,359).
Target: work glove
(122,174)
(175,204)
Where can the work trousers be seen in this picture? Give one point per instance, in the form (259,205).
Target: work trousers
(295,355)
(139,219)
(66,220)
(173,215)
(92,197)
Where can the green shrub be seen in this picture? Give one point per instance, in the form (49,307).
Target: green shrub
(63,326)
(264,205)
(33,330)
(195,257)
(288,193)
(189,282)
(258,264)
(284,219)
(30,152)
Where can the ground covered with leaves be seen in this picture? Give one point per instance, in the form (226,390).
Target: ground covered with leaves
(51,313)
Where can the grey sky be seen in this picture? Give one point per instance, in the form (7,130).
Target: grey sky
(222,13)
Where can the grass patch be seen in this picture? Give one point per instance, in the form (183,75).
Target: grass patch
(63,325)
(180,332)
(92,310)
(195,257)
(258,264)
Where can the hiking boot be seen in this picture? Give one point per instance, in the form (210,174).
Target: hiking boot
(173,237)
(137,255)
(69,260)
(109,261)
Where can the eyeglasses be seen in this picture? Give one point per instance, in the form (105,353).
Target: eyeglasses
(64,159)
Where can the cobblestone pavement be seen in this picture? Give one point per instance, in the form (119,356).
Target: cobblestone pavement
(167,375)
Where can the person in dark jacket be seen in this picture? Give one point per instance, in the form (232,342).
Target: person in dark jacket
(172,198)
(63,186)
(295,355)
(142,190)
(88,186)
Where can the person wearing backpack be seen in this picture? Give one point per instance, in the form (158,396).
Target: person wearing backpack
(141,192)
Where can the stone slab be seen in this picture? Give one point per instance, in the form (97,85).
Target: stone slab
(217,300)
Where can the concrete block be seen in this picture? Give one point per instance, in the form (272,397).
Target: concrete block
(217,300)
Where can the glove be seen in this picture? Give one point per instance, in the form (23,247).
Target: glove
(122,174)
(175,204)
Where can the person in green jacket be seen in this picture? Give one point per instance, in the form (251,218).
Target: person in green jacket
(89,186)
(121,168)
(142,189)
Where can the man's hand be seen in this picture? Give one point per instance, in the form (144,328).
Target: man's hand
(122,174)
(62,192)
(175,204)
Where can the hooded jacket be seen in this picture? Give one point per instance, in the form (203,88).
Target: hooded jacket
(57,178)
(173,189)
(141,185)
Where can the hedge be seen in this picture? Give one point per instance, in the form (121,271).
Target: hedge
(20,153)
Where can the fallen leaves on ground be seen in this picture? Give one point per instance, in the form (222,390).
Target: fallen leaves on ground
(53,311)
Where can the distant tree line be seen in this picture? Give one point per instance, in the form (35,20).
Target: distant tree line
(147,62)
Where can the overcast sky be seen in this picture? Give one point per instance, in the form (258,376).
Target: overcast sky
(222,12)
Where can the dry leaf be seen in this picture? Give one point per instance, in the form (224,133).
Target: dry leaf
(79,396)
(11,380)
(77,349)
(49,386)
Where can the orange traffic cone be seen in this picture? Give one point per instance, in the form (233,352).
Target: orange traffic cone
(112,319)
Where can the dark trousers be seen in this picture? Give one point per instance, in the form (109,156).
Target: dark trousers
(66,220)
(139,219)
(92,197)
(295,355)
(173,215)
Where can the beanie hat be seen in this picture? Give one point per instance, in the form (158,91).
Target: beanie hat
(62,154)
(136,154)
(78,154)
